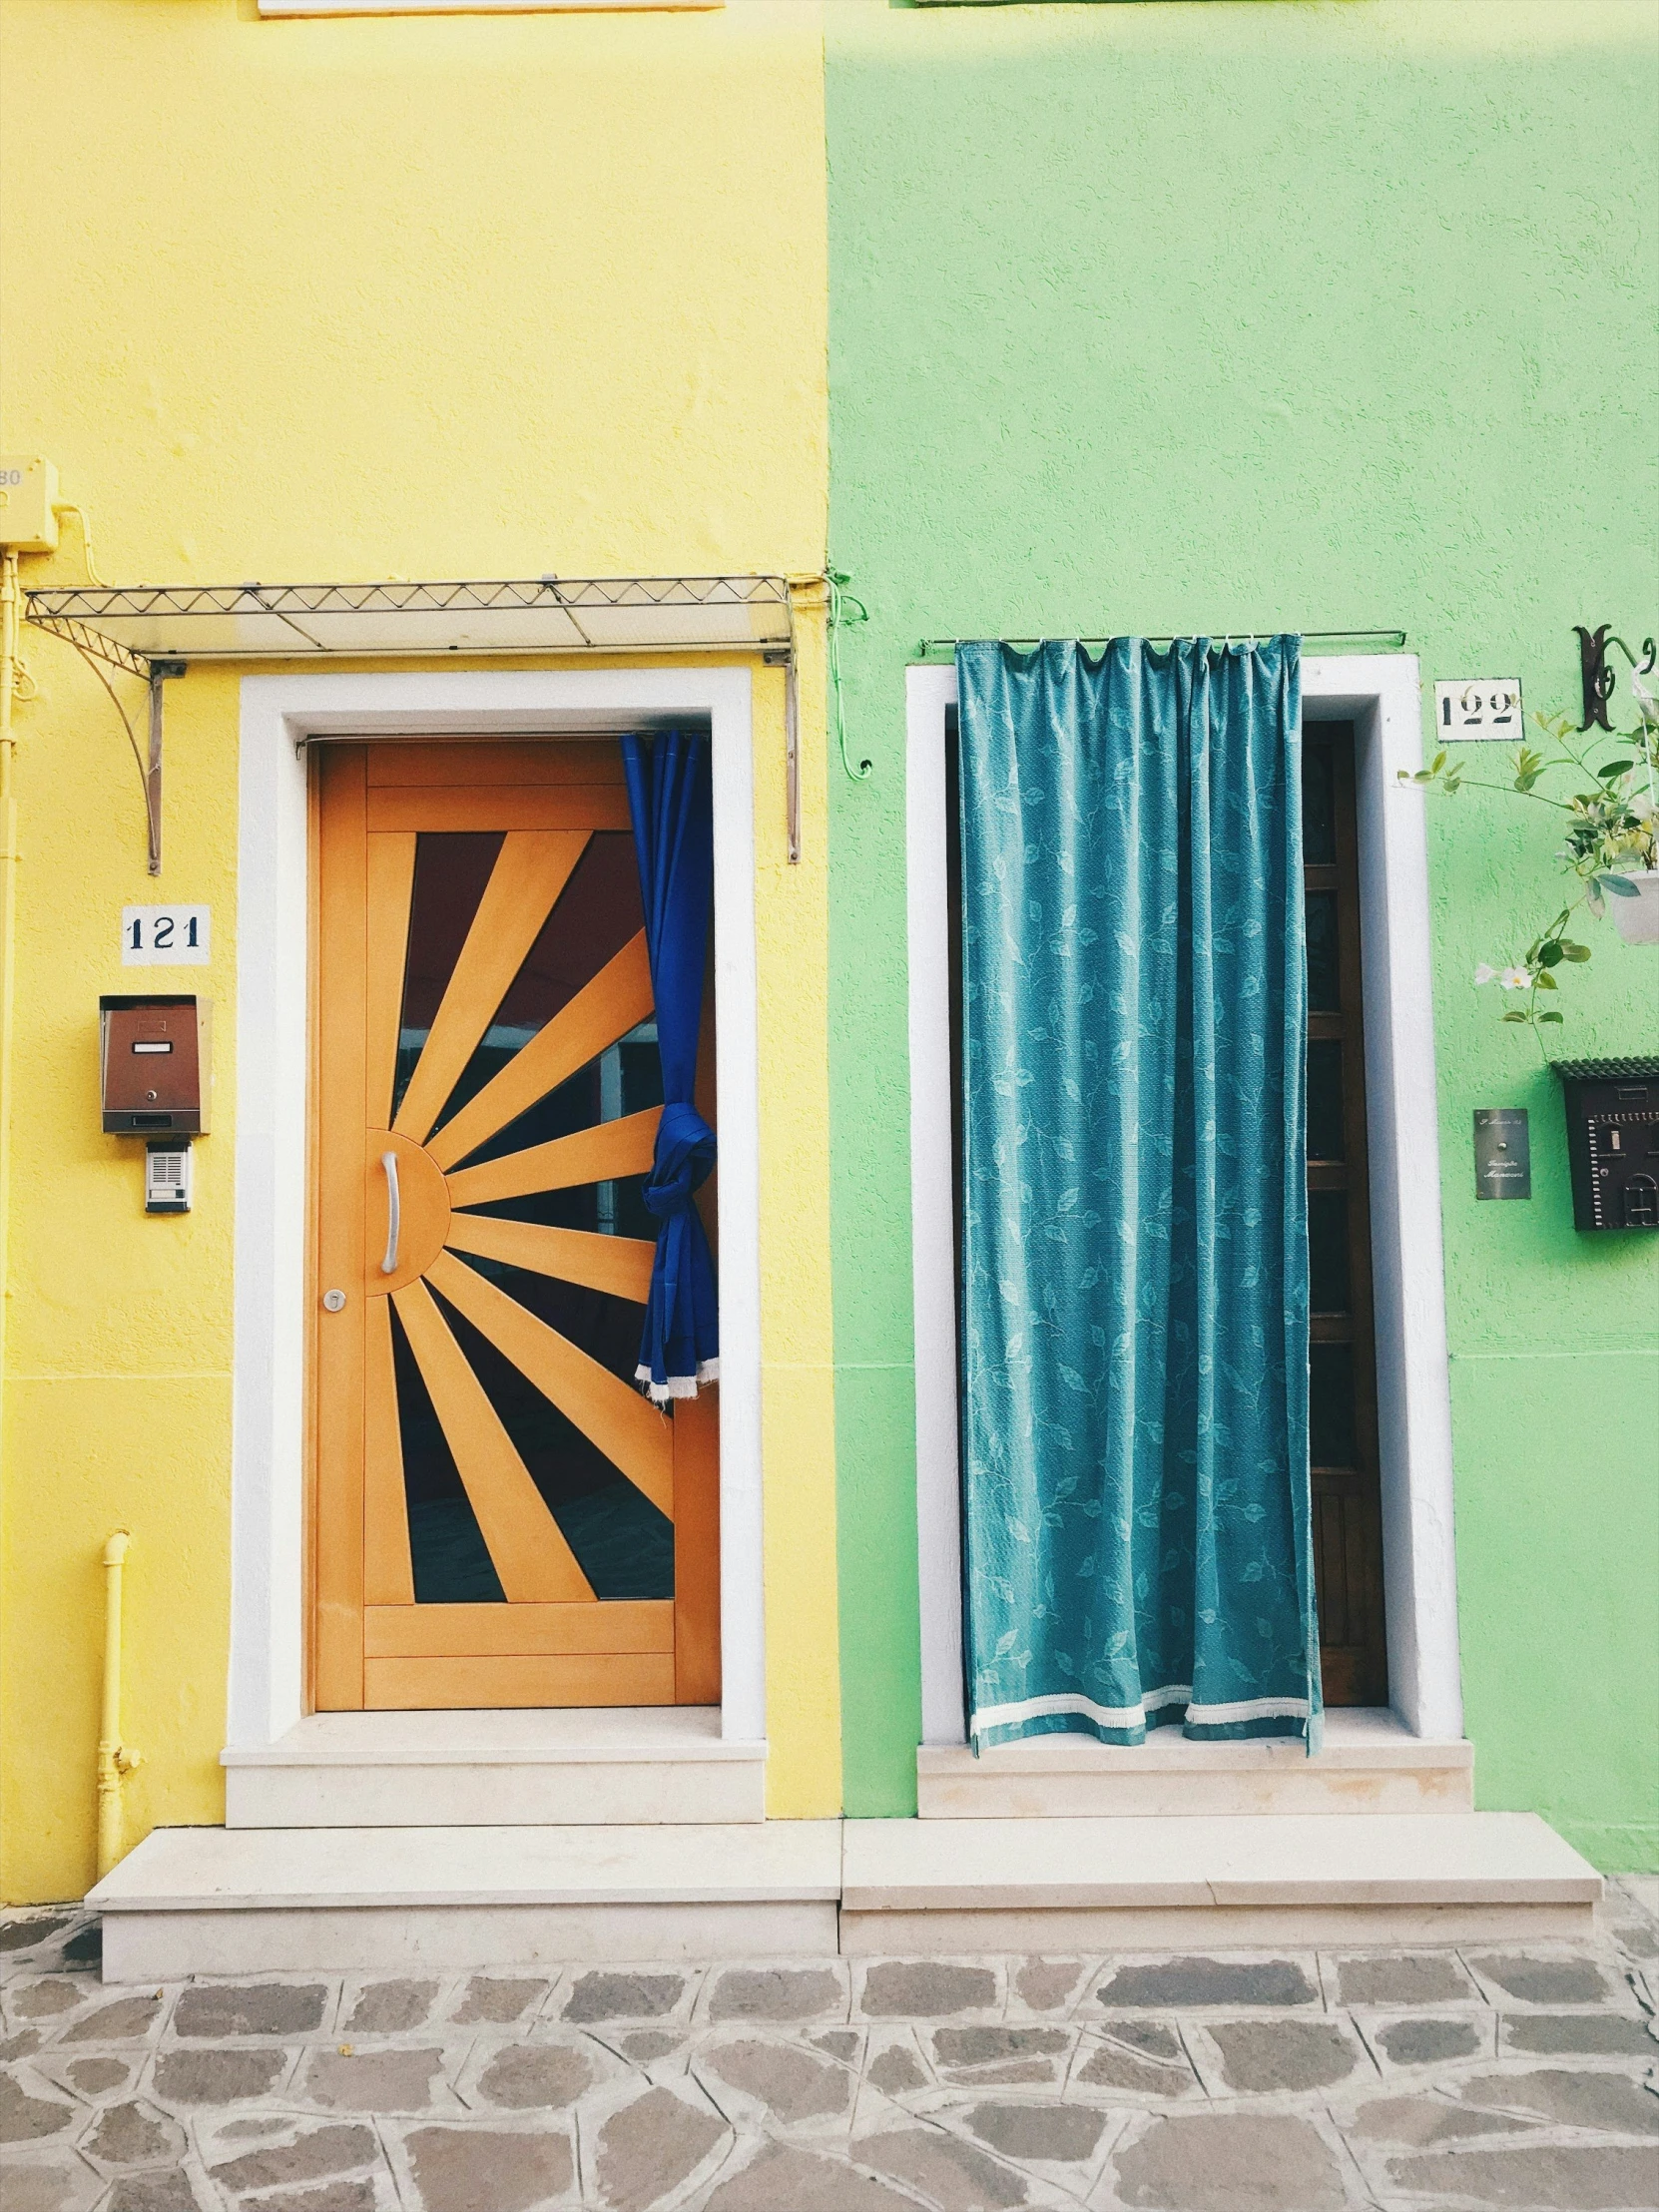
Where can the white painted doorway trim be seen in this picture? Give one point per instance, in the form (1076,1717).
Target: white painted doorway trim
(279,714)
(1381,694)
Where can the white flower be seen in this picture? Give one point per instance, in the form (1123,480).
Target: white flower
(1515,979)
(1486,974)
(1645,699)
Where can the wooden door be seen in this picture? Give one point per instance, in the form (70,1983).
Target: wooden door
(501,1516)
(1342,1352)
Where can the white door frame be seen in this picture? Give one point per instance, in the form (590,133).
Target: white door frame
(1380,695)
(281,715)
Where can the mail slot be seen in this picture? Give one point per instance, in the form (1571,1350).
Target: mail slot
(156,1065)
(1612,1141)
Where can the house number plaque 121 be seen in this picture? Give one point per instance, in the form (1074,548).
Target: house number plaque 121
(165,937)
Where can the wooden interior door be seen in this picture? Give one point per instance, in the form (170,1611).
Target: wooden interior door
(1342,1351)
(503,1518)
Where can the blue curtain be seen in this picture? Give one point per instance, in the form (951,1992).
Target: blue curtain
(669,800)
(1134,1210)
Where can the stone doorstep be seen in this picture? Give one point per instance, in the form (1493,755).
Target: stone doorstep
(1267,1860)
(1134,1883)
(1370,1763)
(375,1899)
(1110,1929)
(622,1767)
(185,1869)
(227,1901)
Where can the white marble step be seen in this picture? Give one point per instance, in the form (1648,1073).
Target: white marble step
(1370,1763)
(1151,1882)
(236,1900)
(193,1901)
(622,1766)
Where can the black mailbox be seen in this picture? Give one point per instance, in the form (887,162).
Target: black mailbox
(1612,1141)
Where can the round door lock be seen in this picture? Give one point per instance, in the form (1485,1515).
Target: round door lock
(333,1301)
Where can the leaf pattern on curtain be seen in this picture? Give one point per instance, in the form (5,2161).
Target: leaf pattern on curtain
(1134,1214)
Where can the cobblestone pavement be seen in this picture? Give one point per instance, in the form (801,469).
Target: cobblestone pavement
(1492,2075)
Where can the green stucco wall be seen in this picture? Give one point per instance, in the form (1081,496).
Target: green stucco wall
(1173,317)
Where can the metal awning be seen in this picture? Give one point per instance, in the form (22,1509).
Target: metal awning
(140,624)
(155,631)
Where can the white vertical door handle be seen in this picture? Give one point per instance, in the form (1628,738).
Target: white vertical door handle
(389,1266)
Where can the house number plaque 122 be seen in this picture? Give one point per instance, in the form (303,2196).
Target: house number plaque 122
(1479,706)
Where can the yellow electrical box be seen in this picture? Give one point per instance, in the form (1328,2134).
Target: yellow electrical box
(28,505)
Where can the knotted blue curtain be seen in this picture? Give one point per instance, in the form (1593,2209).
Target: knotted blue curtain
(1134,1213)
(671,804)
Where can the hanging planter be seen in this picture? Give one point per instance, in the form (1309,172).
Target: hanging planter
(1636,917)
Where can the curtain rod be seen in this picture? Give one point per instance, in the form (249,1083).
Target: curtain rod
(1393,638)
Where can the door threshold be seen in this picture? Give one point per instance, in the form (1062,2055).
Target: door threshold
(641,1764)
(1370,1763)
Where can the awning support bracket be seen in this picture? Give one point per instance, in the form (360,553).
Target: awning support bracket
(159,672)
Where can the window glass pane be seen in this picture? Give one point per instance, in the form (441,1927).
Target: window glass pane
(1331,1406)
(451,870)
(604,1090)
(630,1081)
(623,1543)
(572,1106)
(598,912)
(1325,1099)
(1325,986)
(451,1561)
(1327,1251)
(1319,805)
(607,1329)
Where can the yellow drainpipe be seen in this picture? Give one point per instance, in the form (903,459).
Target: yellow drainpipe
(115,1761)
(8,911)
(8,929)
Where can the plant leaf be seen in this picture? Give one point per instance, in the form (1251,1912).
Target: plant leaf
(1619,885)
(1571,951)
(1512,1015)
(1614,768)
(1549,1014)
(1545,981)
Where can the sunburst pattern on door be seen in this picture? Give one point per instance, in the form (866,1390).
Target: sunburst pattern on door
(459,1095)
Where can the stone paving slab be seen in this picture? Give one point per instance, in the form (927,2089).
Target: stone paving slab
(1406,2080)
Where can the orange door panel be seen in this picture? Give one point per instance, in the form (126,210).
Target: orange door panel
(501,1517)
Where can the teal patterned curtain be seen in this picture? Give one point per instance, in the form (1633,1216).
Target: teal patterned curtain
(1134,1209)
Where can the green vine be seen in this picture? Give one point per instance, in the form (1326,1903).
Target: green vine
(845,612)
(1611,833)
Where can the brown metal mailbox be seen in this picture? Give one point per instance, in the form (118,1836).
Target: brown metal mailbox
(156,1065)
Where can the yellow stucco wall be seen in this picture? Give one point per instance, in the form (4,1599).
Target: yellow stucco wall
(404,296)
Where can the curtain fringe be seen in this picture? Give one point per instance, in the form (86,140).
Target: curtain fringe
(678,1385)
